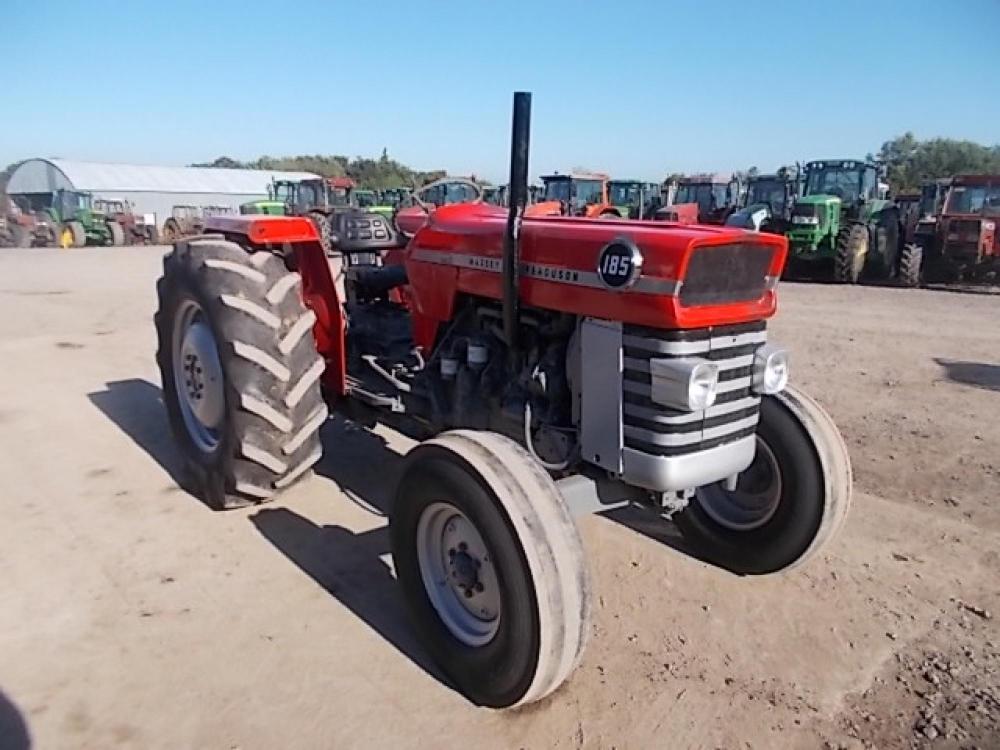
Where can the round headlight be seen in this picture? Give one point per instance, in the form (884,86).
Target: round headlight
(703,386)
(770,369)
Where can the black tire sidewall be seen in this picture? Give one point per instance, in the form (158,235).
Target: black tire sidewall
(500,672)
(180,286)
(788,534)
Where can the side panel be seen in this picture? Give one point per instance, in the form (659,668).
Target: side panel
(319,292)
(601,393)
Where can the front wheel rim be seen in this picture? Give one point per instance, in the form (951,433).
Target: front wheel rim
(198,378)
(756,498)
(459,574)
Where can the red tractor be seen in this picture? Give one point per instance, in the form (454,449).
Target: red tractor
(962,241)
(553,366)
(706,198)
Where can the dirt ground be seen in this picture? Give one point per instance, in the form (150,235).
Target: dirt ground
(132,616)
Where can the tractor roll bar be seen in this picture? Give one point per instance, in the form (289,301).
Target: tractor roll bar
(519,141)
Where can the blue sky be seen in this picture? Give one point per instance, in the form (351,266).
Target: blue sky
(637,89)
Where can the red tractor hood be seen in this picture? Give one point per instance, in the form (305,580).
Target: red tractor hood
(691,276)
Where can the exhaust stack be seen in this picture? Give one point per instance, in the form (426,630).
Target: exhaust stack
(519,142)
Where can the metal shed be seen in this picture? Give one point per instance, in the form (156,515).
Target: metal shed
(150,189)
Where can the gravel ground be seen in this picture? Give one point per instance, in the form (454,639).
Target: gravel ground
(132,616)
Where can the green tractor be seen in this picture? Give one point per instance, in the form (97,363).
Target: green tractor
(269,207)
(79,224)
(371,201)
(845,218)
(633,199)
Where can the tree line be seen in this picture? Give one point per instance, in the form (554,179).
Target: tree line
(374,174)
(907,159)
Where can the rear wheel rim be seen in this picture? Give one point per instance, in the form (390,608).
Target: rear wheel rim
(458,573)
(756,498)
(198,376)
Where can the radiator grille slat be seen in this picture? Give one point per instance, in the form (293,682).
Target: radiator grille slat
(653,428)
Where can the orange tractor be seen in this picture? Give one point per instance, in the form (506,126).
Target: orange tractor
(575,194)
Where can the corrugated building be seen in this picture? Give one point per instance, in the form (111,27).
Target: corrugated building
(150,189)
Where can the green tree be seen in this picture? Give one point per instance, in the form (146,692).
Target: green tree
(909,160)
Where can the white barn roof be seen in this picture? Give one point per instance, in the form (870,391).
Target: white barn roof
(45,175)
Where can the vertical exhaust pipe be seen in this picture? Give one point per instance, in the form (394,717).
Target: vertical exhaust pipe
(518,194)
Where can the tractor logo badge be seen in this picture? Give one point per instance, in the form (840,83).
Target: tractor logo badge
(619,264)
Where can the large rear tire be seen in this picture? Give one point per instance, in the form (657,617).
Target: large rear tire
(787,505)
(20,236)
(77,234)
(851,252)
(171,231)
(117,234)
(910,261)
(492,567)
(240,371)
(324,227)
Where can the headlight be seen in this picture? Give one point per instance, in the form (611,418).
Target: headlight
(805,220)
(688,384)
(770,369)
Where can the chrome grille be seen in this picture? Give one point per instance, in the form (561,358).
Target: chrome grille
(658,430)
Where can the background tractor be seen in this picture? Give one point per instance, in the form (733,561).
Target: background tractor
(371,201)
(138,228)
(268,207)
(767,204)
(186,221)
(964,241)
(552,367)
(576,194)
(316,199)
(79,224)
(923,232)
(709,197)
(844,219)
(20,227)
(633,199)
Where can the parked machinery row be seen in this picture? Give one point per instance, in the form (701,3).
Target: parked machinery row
(71,218)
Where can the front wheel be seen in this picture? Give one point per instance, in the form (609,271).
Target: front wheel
(73,235)
(851,253)
(492,567)
(787,505)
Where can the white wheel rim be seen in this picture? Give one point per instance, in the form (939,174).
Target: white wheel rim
(458,574)
(198,377)
(755,500)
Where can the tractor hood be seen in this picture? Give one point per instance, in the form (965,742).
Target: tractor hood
(644,272)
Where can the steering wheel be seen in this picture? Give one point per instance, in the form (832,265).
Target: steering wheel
(428,207)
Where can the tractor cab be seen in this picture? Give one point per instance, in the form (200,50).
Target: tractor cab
(72,204)
(578,194)
(301,196)
(394,197)
(969,237)
(767,204)
(109,207)
(715,197)
(634,199)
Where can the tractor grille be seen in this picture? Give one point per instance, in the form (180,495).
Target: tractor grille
(658,430)
(810,209)
(719,274)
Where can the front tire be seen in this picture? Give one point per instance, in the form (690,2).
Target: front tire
(240,371)
(788,504)
(492,567)
(851,252)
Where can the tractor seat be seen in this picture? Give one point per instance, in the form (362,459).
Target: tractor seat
(374,281)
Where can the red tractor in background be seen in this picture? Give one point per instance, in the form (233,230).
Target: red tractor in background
(965,241)
(922,230)
(703,199)
(553,366)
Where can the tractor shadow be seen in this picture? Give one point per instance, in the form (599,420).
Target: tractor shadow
(14,734)
(976,374)
(353,569)
(136,406)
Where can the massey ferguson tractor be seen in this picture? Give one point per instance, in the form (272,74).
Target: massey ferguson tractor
(552,366)
(964,241)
